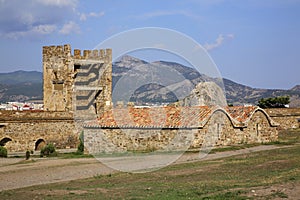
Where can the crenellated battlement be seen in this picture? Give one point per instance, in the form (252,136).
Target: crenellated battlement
(64,51)
(92,54)
(56,51)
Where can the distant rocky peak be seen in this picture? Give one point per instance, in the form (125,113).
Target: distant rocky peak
(128,62)
(296,88)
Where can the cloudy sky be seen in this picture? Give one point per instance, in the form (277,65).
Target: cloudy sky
(252,42)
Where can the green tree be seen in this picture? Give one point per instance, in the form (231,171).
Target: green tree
(274,102)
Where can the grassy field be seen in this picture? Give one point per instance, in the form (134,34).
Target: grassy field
(273,174)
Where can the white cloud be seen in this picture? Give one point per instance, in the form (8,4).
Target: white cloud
(84,16)
(44,29)
(33,18)
(34,32)
(218,42)
(59,3)
(70,27)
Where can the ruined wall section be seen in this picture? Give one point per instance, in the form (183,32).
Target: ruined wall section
(65,74)
(58,79)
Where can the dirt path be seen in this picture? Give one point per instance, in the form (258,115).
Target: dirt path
(44,171)
(16,173)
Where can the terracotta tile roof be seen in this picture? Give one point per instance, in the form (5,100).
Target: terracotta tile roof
(154,117)
(171,117)
(241,113)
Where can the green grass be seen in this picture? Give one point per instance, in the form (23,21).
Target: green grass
(73,155)
(291,136)
(232,148)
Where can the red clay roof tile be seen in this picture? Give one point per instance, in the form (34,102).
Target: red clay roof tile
(169,117)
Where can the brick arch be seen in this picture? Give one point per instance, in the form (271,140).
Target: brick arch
(3,141)
(39,144)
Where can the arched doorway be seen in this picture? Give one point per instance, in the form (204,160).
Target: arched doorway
(4,141)
(39,144)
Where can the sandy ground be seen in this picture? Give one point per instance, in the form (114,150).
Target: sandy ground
(17,173)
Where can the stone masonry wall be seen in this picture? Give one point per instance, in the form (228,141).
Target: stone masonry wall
(139,139)
(259,129)
(218,131)
(26,128)
(286,117)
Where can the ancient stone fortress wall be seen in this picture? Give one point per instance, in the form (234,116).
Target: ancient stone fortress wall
(286,117)
(207,126)
(82,79)
(30,130)
(78,88)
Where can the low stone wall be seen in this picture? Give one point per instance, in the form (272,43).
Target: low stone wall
(286,117)
(218,131)
(139,139)
(27,130)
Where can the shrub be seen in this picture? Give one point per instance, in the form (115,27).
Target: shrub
(48,150)
(3,151)
(80,148)
(27,155)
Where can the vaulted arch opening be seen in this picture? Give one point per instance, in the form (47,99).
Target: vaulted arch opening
(4,141)
(39,144)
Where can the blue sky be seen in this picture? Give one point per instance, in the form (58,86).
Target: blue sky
(253,42)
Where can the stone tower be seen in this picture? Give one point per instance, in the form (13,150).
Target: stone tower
(81,83)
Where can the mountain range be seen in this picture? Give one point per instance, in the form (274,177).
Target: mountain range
(21,86)
(130,72)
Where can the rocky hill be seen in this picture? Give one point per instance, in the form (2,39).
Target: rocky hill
(176,81)
(21,86)
(236,94)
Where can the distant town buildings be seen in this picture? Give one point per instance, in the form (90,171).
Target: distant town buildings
(21,106)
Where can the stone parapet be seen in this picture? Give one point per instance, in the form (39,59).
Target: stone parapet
(10,116)
(286,117)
